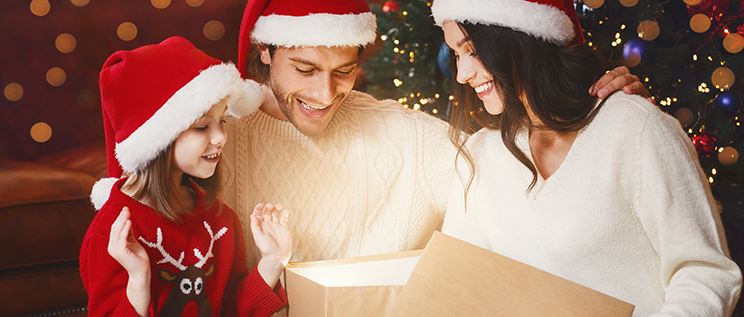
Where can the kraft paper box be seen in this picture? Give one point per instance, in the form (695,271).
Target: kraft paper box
(358,287)
(455,278)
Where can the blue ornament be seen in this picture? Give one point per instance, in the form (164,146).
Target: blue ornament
(443,57)
(633,52)
(727,101)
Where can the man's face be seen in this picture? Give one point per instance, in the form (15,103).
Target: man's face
(310,83)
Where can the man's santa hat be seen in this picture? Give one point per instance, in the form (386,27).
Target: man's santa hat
(151,94)
(292,23)
(554,21)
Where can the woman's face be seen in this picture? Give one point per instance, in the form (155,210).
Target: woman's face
(470,70)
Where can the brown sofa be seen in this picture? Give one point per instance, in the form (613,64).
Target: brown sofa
(44,212)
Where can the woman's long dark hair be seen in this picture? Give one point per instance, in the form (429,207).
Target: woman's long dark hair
(527,72)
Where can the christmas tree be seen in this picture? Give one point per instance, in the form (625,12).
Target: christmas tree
(688,54)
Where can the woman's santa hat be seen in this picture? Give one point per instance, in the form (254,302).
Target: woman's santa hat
(291,23)
(151,94)
(554,21)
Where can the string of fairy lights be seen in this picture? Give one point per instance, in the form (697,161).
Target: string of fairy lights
(67,43)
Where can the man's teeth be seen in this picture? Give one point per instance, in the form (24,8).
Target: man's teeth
(483,87)
(212,156)
(309,107)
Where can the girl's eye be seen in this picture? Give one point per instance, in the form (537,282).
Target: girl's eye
(201,127)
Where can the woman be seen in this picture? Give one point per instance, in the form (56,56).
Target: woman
(607,194)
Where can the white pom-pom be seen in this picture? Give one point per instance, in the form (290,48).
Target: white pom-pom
(101,190)
(248,96)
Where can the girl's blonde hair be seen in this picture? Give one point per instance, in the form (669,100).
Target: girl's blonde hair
(154,185)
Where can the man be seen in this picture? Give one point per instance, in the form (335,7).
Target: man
(359,175)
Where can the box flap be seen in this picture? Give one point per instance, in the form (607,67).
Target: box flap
(455,278)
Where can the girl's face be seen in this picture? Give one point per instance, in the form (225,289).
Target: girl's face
(198,149)
(470,70)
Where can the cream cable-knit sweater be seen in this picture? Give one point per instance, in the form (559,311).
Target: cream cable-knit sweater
(375,182)
(628,213)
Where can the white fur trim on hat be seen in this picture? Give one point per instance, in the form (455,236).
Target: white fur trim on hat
(321,29)
(539,20)
(101,190)
(187,105)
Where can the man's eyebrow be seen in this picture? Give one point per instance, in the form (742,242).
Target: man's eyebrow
(302,61)
(306,62)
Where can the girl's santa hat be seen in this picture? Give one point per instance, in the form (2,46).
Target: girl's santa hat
(291,23)
(151,94)
(554,21)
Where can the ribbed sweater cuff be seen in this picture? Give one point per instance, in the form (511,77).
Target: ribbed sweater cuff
(267,300)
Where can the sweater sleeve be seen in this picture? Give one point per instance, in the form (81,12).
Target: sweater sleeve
(438,161)
(253,297)
(678,213)
(104,279)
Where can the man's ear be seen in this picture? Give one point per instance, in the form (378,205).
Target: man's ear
(263,51)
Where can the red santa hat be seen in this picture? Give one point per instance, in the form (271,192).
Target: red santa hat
(554,21)
(291,23)
(151,94)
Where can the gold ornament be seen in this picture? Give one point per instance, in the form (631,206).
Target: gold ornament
(214,30)
(728,156)
(723,77)
(40,8)
(65,43)
(700,23)
(733,43)
(648,30)
(194,3)
(160,4)
(126,31)
(628,3)
(13,92)
(56,76)
(41,132)
(80,3)
(594,3)
(684,116)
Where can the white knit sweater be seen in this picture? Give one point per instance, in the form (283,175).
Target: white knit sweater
(376,181)
(628,213)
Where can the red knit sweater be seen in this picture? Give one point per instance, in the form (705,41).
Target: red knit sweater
(220,285)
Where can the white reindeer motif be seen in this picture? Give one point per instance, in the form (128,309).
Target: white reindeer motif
(190,279)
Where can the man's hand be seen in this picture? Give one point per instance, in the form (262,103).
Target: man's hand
(616,79)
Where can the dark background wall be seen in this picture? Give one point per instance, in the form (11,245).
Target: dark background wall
(72,110)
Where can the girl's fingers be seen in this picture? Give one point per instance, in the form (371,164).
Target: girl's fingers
(125,232)
(119,221)
(275,216)
(259,208)
(284,217)
(266,216)
(255,226)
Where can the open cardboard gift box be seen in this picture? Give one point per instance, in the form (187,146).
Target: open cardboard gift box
(449,277)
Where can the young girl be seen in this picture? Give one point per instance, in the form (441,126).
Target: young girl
(162,244)
(609,194)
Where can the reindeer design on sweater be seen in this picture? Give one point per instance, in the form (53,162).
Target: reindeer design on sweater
(189,282)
